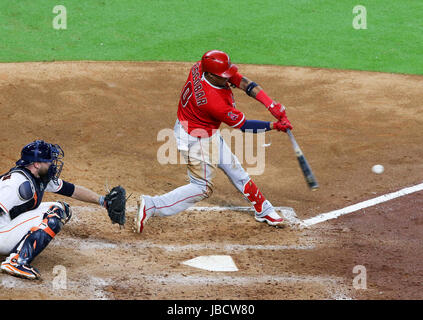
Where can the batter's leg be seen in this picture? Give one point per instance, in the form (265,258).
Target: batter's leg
(239,177)
(200,175)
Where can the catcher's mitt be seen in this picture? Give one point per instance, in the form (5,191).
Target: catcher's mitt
(115,203)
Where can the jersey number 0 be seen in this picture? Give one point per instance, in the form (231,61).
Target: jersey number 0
(186,94)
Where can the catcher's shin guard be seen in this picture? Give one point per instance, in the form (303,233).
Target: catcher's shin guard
(31,245)
(254,195)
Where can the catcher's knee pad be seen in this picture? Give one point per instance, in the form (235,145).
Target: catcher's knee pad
(66,212)
(39,237)
(56,217)
(254,195)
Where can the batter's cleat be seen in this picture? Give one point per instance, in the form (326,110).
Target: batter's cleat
(142,216)
(272,218)
(12,267)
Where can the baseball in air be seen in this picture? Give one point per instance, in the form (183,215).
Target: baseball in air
(378,169)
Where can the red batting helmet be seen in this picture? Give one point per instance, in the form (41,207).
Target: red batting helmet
(218,63)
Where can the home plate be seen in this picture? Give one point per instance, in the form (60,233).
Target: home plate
(212,263)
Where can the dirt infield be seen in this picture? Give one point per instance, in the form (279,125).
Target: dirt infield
(106,117)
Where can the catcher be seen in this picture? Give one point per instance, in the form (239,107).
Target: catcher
(27,224)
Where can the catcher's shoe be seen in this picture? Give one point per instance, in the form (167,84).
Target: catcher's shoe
(12,267)
(141,216)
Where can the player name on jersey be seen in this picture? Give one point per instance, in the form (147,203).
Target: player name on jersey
(198,87)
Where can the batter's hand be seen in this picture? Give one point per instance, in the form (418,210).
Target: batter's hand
(277,110)
(282,125)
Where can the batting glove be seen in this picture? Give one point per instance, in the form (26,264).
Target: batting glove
(282,125)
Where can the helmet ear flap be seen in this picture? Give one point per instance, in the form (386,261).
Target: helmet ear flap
(218,63)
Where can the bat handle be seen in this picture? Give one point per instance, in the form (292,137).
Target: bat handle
(293,141)
(291,136)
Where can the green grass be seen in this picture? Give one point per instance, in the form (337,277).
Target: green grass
(293,32)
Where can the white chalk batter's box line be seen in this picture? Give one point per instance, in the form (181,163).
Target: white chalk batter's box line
(94,286)
(95,244)
(361,205)
(291,217)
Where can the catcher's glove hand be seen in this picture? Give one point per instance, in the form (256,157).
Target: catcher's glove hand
(115,203)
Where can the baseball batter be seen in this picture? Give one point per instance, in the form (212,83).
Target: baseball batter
(27,224)
(206,100)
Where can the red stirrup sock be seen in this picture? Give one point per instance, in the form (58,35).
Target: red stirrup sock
(254,195)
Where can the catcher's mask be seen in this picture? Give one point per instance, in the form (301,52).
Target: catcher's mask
(41,151)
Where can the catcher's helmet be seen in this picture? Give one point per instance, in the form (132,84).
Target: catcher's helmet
(41,151)
(218,63)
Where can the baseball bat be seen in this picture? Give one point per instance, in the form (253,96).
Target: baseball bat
(305,167)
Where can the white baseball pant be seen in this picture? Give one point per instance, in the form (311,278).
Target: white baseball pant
(203,156)
(12,233)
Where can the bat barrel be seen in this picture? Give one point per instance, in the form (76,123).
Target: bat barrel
(305,167)
(313,185)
